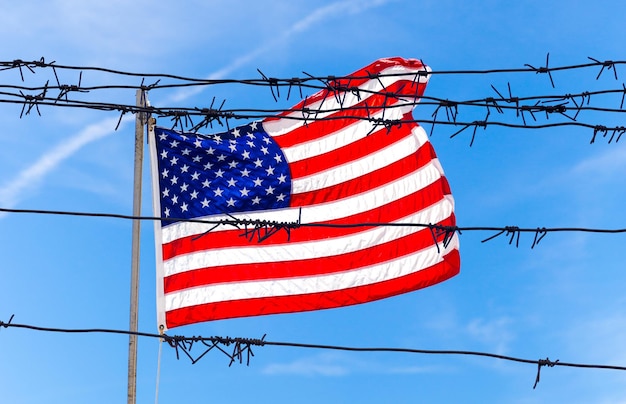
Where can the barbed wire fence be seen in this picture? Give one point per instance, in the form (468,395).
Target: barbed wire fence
(527,110)
(240,350)
(501,107)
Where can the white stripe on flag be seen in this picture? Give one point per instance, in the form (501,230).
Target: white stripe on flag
(356,168)
(327,247)
(311,284)
(343,137)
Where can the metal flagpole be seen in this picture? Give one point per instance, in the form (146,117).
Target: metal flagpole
(134,278)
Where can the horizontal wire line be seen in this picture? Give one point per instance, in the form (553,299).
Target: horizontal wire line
(67,89)
(309,116)
(473,124)
(263,342)
(41,64)
(235,221)
(484,103)
(336,86)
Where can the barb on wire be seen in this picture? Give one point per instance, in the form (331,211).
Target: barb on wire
(447,232)
(619,131)
(18,64)
(272,82)
(232,222)
(545,69)
(211,114)
(329,88)
(148,87)
(295,81)
(257,229)
(540,363)
(525,108)
(548,109)
(339,90)
(240,346)
(451,108)
(32,101)
(555,109)
(8,323)
(572,99)
(598,129)
(388,124)
(513,232)
(608,64)
(65,89)
(509,100)
(476,125)
(119,120)
(178,116)
(263,229)
(540,233)
(490,101)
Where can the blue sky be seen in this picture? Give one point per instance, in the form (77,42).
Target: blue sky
(563,299)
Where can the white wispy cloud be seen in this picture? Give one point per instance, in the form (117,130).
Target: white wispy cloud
(598,338)
(600,335)
(31,177)
(320,365)
(54,27)
(317,16)
(332,364)
(495,333)
(602,167)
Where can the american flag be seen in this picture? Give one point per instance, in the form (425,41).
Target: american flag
(340,169)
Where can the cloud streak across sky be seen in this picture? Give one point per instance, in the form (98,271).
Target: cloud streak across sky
(12,192)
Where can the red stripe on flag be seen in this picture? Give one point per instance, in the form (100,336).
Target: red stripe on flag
(315,301)
(350,152)
(393,211)
(308,267)
(372,180)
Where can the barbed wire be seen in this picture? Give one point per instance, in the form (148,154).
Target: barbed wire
(62,91)
(566,106)
(260,230)
(529,113)
(566,103)
(527,110)
(183,118)
(21,65)
(238,348)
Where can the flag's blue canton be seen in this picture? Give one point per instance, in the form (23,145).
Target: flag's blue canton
(236,171)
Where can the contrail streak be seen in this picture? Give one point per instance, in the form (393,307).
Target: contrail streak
(12,193)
